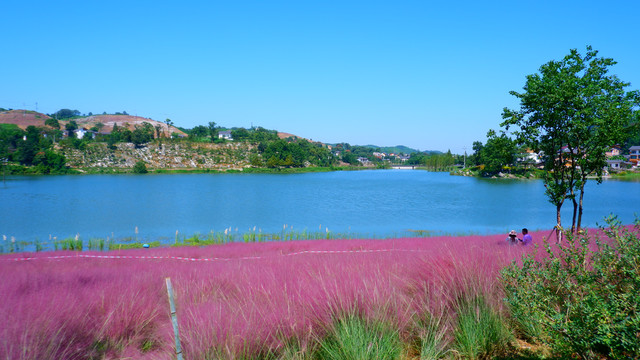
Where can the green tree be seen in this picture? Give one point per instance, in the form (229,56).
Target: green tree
(98,127)
(66,113)
(349,158)
(498,153)
(213,131)
(140,167)
(240,134)
(571,111)
(198,132)
(476,157)
(71,126)
(142,134)
(52,123)
(28,148)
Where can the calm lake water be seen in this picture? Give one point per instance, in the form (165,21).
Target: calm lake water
(377,203)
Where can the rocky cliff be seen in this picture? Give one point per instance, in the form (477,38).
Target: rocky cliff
(165,155)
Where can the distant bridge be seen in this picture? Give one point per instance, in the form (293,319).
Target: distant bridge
(403,167)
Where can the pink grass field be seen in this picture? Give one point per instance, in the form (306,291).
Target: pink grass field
(244,299)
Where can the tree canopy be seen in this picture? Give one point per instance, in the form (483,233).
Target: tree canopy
(570,112)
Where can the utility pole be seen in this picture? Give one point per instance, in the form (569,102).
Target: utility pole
(465,157)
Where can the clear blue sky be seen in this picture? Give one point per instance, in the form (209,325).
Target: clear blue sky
(426,74)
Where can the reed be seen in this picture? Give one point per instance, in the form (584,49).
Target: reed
(277,299)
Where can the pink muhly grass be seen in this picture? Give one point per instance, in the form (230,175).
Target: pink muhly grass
(284,293)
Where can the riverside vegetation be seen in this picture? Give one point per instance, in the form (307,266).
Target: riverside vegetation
(470,297)
(125,147)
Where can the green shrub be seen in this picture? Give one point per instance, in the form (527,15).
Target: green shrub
(583,297)
(354,338)
(481,331)
(140,167)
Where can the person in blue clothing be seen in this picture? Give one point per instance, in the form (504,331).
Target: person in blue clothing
(526,238)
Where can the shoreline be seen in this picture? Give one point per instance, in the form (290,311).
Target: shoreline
(259,240)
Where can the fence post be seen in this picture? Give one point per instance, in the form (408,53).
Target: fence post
(174,319)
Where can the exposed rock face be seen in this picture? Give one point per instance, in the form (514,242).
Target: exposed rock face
(174,155)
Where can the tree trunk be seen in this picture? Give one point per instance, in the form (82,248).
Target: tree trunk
(575,212)
(580,208)
(559,224)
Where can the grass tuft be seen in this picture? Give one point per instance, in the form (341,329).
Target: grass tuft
(354,338)
(481,331)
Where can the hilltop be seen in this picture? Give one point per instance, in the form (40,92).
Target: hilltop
(25,118)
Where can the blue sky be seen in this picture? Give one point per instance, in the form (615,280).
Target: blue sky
(429,75)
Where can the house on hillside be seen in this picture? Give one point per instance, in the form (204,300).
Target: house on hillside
(81,133)
(225,135)
(615,164)
(634,155)
(529,157)
(614,151)
(364,161)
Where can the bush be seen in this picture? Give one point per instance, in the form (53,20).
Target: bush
(140,168)
(582,297)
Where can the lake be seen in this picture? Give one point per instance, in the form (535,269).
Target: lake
(380,203)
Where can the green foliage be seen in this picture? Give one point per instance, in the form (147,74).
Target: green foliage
(583,296)
(498,153)
(300,153)
(32,149)
(10,138)
(481,331)
(71,126)
(434,161)
(75,143)
(354,338)
(142,134)
(572,111)
(53,123)
(213,131)
(119,134)
(140,167)
(199,131)
(66,113)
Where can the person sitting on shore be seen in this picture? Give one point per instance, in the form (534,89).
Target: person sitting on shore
(526,238)
(512,239)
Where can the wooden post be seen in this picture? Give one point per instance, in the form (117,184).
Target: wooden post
(174,319)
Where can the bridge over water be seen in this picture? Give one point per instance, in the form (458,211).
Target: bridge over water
(403,167)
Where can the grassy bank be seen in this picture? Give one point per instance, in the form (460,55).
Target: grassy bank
(626,175)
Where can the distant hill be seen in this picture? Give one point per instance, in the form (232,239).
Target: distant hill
(127,121)
(24,118)
(400,149)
